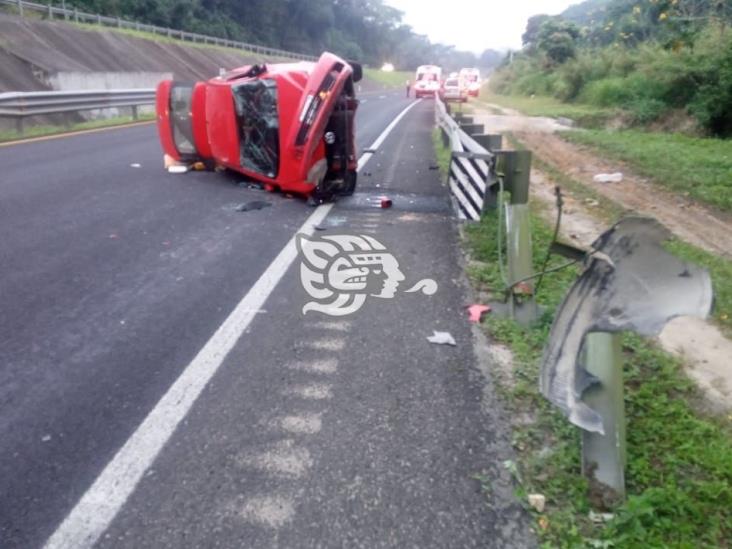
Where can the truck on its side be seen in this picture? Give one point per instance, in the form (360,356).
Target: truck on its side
(289,126)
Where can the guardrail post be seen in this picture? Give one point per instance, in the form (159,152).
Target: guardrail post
(603,456)
(119,23)
(515,167)
(134,112)
(50,11)
(99,19)
(20,8)
(19,125)
(76,14)
(170,33)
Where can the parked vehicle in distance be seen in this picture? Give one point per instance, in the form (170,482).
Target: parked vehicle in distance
(427,80)
(454,90)
(289,126)
(472,79)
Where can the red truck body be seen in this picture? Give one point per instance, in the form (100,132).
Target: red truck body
(288,125)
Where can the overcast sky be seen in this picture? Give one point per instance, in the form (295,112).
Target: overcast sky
(475,25)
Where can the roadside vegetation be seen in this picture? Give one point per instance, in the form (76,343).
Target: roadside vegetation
(697,167)
(46,130)
(391,79)
(652,58)
(371,33)
(586,116)
(720,268)
(679,473)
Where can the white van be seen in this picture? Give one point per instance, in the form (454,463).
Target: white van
(472,79)
(427,80)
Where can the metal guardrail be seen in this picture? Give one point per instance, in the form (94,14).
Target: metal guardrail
(478,170)
(20,105)
(53,12)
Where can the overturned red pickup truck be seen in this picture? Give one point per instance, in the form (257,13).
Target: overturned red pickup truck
(288,126)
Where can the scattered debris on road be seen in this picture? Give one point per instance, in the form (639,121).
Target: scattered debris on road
(135,165)
(442,338)
(177,168)
(616,177)
(385,202)
(252,205)
(476,312)
(537,502)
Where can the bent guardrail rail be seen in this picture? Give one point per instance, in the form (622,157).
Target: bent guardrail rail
(81,17)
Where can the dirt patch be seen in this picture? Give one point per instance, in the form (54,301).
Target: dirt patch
(692,222)
(703,349)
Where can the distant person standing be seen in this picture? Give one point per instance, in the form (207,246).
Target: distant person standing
(408,86)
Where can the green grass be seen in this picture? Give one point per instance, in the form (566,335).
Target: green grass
(394,79)
(679,474)
(697,167)
(719,268)
(42,131)
(586,116)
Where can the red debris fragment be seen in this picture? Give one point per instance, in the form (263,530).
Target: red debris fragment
(476,312)
(385,202)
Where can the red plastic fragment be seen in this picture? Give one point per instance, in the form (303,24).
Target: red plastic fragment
(476,312)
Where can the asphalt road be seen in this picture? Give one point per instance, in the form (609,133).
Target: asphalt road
(314,432)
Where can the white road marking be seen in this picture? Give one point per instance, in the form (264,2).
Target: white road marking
(326,344)
(283,459)
(305,424)
(328,366)
(335,326)
(370,225)
(96,509)
(313,391)
(365,157)
(272,511)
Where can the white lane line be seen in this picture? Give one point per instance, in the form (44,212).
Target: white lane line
(328,366)
(365,157)
(335,326)
(96,509)
(281,459)
(305,424)
(326,344)
(272,511)
(312,391)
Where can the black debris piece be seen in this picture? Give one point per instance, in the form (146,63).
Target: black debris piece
(253,205)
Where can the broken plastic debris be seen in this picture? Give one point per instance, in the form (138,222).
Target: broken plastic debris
(45,438)
(537,502)
(253,205)
(198,166)
(616,177)
(442,338)
(135,165)
(385,202)
(600,517)
(177,168)
(476,312)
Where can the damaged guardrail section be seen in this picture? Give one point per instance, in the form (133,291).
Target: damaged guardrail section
(629,283)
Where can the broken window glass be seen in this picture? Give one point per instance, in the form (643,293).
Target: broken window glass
(258,123)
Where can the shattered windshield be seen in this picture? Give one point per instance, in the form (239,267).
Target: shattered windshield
(258,123)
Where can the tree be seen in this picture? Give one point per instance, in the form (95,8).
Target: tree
(557,39)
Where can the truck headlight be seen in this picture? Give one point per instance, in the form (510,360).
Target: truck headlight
(329,138)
